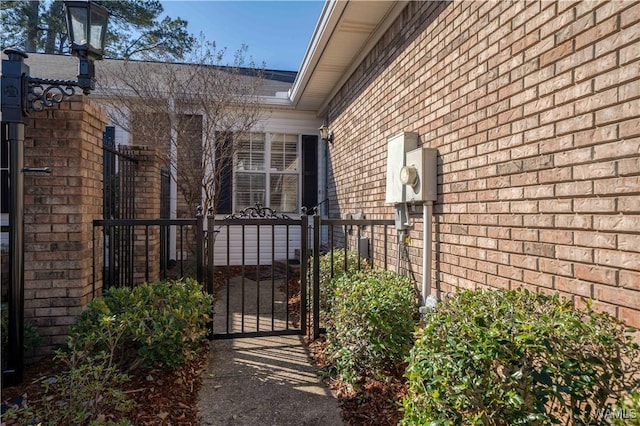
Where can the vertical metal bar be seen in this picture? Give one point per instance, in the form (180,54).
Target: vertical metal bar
(211,268)
(286,277)
(163,251)
(108,251)
(93,261)
(273,283)
(331,230)
(200,246)
(181,251)
(373,245)
(304,262)
(130,243)
(146,249)
(258,278)
(346,250)
(386,252)
(210,252)
(228,279)
(316,276)
(14,372)
(243,275)
(358,245)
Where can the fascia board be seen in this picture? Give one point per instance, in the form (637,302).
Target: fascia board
(329,18)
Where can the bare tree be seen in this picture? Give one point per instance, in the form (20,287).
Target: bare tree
(194,113)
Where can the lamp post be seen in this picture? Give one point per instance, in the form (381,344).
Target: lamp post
(21,95)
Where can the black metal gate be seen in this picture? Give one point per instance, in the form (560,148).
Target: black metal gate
(259,281)
(119,173)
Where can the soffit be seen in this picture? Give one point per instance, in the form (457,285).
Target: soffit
(345,33)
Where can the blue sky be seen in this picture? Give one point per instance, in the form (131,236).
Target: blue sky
(276,32)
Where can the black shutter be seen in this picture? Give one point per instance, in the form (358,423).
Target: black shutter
(224,163)
(309,171)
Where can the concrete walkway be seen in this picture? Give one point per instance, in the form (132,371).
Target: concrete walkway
(266,381)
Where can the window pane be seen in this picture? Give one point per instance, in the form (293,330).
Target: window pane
(284,192)
(250,189)
(284,152)
(251,152)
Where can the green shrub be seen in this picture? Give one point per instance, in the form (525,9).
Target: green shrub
(88,393)
(31,337)
(627,411)
(517,358)
(374,319)
(328,274)
(161,324)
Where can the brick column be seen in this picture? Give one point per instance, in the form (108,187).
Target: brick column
(147,206)
(59,210)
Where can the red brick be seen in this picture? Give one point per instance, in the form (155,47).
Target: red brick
(595,239)
(615,40)
(594,205)
(572,286)
(574,253)
(617,296)
(630,280)
(595,273)
(630,317)
(596,33)
(614,258)
(617,185)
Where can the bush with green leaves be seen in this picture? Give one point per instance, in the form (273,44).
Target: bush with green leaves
(162,324)
(517,358)
(88,393)
(374,319)
(31,337)
(332,267)
(626,412)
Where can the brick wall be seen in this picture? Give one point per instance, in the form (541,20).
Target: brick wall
(535,111)
(147,206)
(59,210)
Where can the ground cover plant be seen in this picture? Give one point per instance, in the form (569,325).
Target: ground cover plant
(515,357)
(151,333)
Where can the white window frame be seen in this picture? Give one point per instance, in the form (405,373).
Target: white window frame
(267,172)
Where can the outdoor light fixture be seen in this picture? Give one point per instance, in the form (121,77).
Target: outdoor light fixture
(325,134)
(87,26)
(21,95)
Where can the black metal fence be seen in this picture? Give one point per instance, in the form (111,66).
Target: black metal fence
(369,241)
(264,282)
(138,259)
(264,273)
(119,181)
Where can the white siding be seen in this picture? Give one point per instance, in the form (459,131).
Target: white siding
(248,245)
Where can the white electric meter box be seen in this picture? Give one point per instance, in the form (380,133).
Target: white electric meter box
(397,147)
(425,186)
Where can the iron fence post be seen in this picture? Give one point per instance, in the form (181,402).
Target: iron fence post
(199,245)
(304,263)
(316,276)
(210,241)
(14,92)
(210,265)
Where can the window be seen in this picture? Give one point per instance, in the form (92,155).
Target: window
(267,171)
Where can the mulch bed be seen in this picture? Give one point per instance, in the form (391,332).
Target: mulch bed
(162,398)
(170,398)
(370,403)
